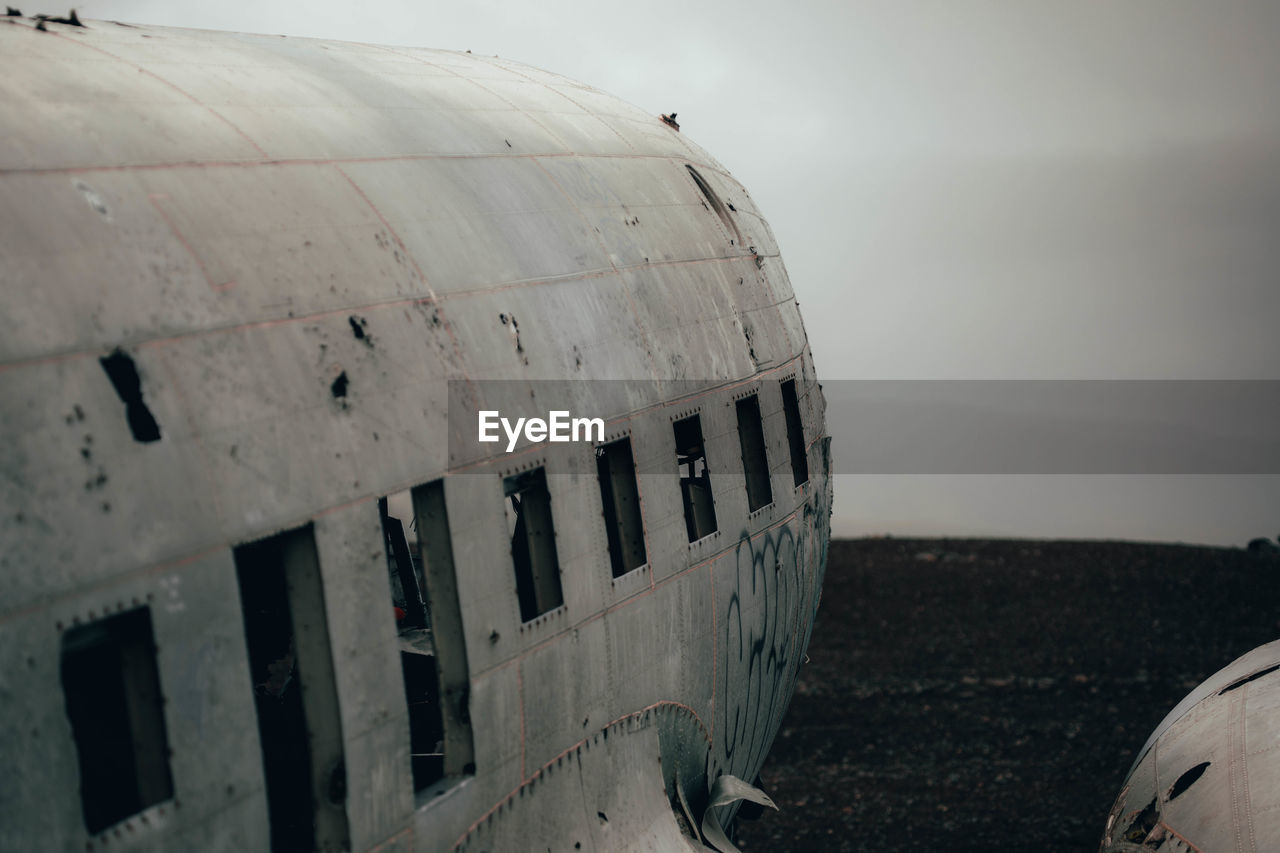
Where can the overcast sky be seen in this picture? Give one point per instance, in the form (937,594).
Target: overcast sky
(959,189)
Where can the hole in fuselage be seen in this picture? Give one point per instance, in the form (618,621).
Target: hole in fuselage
(123,374)
(1186,780)
(1242,682)
(339,386)
(1143,823)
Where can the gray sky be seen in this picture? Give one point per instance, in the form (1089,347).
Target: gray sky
(959,189)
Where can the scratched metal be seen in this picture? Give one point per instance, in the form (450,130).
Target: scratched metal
(1209,777)
(227,210)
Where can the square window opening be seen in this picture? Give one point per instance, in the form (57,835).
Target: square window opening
(419,550)
(533,543)
(620,497)
(755,461)
(426,723)
(695,480)
(295,691)
(795,433)
(112,691)
(404,560)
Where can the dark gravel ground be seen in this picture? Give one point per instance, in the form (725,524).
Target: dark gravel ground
(991,694)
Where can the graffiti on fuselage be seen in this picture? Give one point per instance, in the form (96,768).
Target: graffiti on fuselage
(766,622)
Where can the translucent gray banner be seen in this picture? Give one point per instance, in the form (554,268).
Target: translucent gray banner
(931,426)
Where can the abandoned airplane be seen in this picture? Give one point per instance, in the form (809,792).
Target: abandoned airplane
(1208,778)
(263,586)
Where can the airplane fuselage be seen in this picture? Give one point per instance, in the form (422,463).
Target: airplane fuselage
(263,586)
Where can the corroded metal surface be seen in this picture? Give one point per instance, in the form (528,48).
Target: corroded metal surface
(288,248)
(1209,777)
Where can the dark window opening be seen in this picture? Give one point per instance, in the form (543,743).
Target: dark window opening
(404,562)
(433,655)
(620,495)
(533,543)
(445,617)
(112,691)
(286,632)
(426,723)
(795,433)
(717,206)
(695,480)
(123,374)
(755,461)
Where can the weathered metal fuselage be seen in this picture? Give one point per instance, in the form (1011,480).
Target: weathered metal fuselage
(239,276)
(1208,778)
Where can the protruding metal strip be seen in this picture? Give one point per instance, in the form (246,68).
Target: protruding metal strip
(725,791)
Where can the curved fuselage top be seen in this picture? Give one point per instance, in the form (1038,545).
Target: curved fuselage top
(1208,778)
(238,276)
